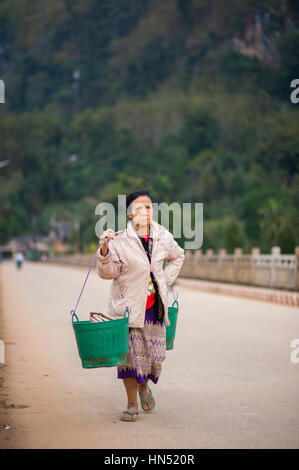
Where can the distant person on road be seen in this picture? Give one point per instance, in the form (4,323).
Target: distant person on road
(138,253)
(19,259)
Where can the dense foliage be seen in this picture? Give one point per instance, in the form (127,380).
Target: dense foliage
(165,100)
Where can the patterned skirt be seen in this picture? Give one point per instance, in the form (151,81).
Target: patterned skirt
(146,350)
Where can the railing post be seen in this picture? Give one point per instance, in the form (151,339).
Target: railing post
(208,264)
(237,253)
(275,252)
(221,264)
(222,252)
(197,254)
(255,252)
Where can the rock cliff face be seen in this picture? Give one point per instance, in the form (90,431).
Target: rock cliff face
(261,32)
(126,47)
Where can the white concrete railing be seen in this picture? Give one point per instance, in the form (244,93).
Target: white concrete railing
(271,270)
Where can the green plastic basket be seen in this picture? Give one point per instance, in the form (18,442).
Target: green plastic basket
(170,330)
(102,344)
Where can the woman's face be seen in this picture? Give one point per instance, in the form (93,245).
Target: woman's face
(141,211)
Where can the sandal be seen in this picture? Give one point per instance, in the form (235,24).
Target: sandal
(147,400)
(132,413)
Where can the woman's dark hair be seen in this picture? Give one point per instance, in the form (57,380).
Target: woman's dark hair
(134,194)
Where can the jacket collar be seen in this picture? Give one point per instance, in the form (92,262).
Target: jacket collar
(154,230)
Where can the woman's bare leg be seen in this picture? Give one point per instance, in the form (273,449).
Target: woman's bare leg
(130,384)
(144,390)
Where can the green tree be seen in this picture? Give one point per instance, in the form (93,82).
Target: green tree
(200,130)
(272,219)
(233,236)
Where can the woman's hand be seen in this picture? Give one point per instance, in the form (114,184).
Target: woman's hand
(105,239)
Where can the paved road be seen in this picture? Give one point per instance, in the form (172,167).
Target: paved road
(229,382)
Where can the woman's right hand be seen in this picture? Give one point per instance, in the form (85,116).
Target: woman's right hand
(105,238)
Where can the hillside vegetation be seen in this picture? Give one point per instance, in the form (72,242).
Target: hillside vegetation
(189,98)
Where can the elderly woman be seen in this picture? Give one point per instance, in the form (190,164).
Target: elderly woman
(134,259)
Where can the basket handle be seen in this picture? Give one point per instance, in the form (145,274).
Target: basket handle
(128,311)
(73,311)
(74,315)
(175,296)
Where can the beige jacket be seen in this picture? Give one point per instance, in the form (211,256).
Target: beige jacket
(133,268)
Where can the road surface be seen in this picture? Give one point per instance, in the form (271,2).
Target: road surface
(229,382)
